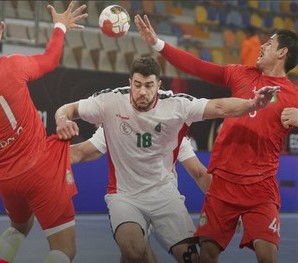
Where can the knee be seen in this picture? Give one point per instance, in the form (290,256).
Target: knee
(209,252)
(266,258)
(133,254)
(70,252)
(266,252)
(25,227)
(185,253)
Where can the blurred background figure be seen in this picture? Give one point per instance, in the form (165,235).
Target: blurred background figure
(251,47)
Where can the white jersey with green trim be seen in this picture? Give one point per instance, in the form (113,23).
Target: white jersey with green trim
(142,145)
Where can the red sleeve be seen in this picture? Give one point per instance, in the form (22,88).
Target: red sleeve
(49,60)
(194,66)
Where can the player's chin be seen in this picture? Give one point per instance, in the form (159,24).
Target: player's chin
(142,106)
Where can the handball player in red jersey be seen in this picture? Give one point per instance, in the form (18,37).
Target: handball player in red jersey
(245,156)
(35,173)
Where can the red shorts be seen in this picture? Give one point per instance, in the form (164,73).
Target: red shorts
(218,219)
(46,190)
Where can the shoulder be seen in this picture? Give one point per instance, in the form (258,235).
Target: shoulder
(169,95)
(120,91)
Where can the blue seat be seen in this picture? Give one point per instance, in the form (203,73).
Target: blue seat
(160,7)
(164,27)
(242,3)
(212,14)
(235,19)
(245,19)
(206,55)
(294,7)
(136,6)
(275,6)
(267,21)
(177,30)
(264,5)
(222,17)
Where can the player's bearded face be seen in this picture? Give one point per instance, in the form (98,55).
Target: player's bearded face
(144,91)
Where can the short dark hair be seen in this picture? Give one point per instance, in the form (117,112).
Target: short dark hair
(287,38)
(146,66)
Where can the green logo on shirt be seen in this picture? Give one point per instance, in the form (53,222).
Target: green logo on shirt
(158,127)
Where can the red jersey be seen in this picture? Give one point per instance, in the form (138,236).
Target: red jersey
(247,148)
(22,133)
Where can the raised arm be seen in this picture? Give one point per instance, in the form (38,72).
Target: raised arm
(63,22)
(70,17)
(235,107)
(183,60)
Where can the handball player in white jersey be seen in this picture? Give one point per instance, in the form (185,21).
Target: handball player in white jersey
(95,148)
(143,132)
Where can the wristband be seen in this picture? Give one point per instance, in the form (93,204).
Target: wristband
(61,26)
(159,45)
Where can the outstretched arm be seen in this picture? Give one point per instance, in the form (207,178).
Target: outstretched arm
(70,17)
(236,107)
(63,22)
(289,117)
(183,60)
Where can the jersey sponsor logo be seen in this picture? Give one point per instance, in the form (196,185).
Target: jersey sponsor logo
(10,140)
(125,128)
(274,99)
(122,117)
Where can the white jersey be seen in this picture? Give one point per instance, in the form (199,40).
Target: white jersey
(186,150)
(142,146)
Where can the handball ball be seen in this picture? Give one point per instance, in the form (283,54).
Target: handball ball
(114,21)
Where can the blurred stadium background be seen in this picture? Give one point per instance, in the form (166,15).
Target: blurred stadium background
(210,29)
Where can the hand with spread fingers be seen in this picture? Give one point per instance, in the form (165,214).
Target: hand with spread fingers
(70,17)
(145,29)
(264,95)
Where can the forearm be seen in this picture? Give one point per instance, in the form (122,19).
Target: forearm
(198,172)
(202,179)
(228,107)
(50,59)
(83,152)
(68,112)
